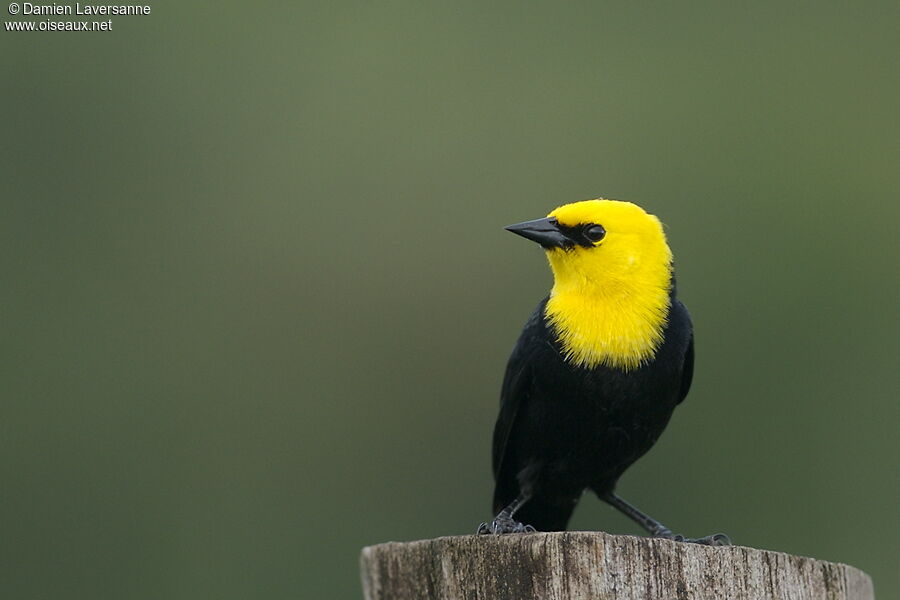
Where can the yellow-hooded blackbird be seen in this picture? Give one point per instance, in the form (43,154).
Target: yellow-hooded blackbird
(596,372)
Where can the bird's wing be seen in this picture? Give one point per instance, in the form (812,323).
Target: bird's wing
(514,393)
(687,371)
(511,394)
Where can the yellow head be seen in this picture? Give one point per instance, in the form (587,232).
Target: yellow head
(612,276)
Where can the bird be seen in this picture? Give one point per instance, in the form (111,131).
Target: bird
(596,373)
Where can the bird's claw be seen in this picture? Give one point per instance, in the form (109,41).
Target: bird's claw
(716,539)
(501,526)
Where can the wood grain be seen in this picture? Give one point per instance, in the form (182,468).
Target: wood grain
(599,566)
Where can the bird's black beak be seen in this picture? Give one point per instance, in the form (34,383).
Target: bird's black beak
(545,232)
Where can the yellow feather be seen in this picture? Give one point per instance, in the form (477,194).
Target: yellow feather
(609,303)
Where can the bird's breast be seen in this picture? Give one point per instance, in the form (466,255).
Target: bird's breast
(613,331)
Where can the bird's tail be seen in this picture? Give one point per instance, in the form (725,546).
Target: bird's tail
(545,515)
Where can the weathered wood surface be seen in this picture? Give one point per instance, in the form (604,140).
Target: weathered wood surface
(597,566)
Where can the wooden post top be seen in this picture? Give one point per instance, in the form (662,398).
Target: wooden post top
(597,566)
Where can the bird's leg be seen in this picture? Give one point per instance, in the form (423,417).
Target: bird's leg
(657,529)
(504,522)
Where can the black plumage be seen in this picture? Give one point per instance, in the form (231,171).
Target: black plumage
(564,428)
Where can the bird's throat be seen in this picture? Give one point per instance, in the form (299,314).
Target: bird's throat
(619,326)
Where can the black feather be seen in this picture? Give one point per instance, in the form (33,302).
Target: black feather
(563,429)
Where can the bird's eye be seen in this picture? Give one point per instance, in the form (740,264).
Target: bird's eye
(594,233)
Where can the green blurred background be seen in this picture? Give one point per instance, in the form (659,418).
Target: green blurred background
(258,298)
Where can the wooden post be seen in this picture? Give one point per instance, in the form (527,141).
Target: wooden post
(597,566)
